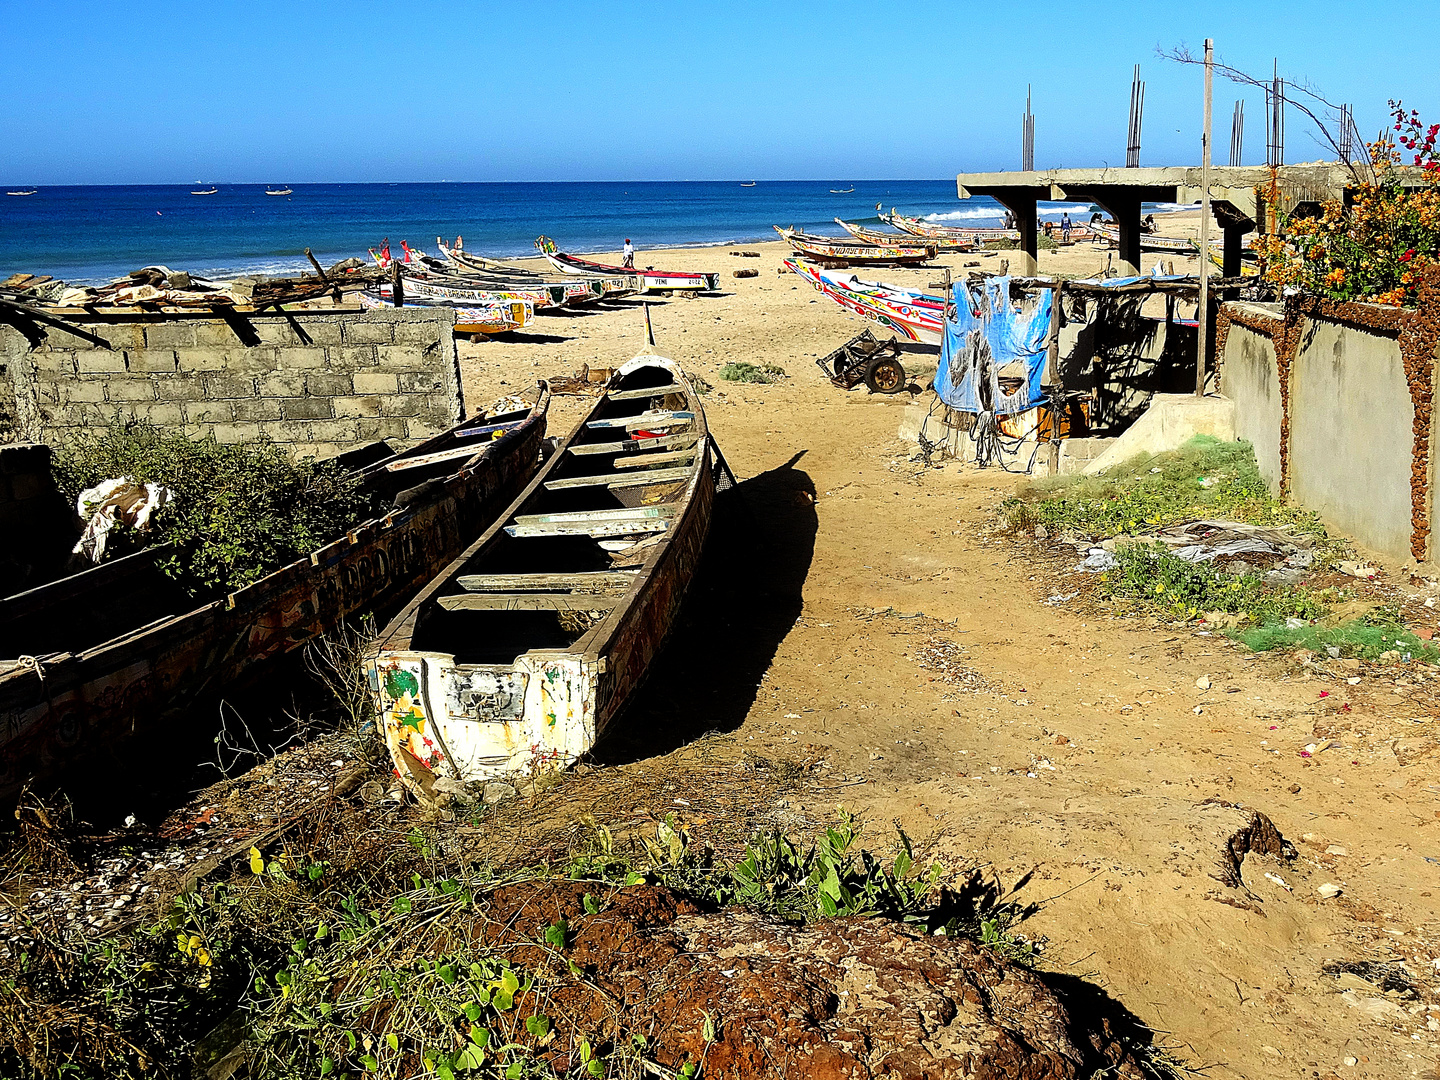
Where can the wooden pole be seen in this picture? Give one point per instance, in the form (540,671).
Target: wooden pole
(1052,375)
(397,285)
(315,263)
(1202,328)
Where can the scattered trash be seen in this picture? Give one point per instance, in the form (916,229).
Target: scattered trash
(1329,891)
(1060,598)
(109,503)
(1357,569)
(1278,880)
(1098,561)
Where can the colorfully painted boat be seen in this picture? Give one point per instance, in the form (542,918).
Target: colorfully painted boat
(575,290)
(871,236)
(120,650)
(497,318)
(429,285)
(829,249)
(1175,245)
(908,313)
(651,280)
(527,647)
(918,227)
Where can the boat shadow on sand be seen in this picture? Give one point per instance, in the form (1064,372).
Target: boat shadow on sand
(744,599)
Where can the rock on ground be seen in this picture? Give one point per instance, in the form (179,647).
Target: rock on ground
(842,999)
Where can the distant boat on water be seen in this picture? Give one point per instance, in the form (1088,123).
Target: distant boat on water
(282,191)
(747,183)
(32,191)
(842,191)
(212,191)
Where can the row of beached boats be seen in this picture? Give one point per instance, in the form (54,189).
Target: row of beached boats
(523,595)
(494,297)
(916,242)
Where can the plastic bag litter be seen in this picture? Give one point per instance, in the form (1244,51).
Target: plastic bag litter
(1098,561)
(122,501)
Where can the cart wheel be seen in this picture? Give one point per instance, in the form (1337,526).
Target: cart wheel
(885,376)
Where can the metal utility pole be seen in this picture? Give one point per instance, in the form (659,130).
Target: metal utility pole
(1137,114)
(1202,322)
(1027,136)
(1237,136)
(1347,138)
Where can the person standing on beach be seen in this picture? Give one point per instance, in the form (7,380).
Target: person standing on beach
(629,253)
(1065,227)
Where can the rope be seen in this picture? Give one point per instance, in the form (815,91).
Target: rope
(32,664)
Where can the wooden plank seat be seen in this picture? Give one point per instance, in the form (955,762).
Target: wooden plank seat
(527,601)
(627,446)
(655,391)
(662,418)
(594,528)
(614,580)
(642,461)
(612,481)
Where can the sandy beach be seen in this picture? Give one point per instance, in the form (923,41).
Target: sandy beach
(868,618)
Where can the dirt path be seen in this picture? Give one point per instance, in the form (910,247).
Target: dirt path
(1074,756)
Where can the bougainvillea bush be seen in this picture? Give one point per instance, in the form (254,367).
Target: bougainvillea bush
(1374,248)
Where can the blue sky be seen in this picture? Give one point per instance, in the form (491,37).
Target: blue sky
(561,90)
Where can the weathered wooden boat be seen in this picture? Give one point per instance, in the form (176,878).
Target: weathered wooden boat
(908,313)
(121,650)
(918,227)
(496,318)
(873,236)
(651,280)
(427,285)
(826,249)
(611,287)
(518,656)
(1175,245)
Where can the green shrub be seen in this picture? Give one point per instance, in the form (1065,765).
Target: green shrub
(1359,639)
(1162,581)
(240,511)
(740,371)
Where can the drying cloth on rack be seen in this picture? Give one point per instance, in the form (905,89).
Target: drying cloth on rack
(983,333)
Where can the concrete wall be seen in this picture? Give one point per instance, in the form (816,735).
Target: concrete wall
(318,381)
(1351,438)
(37,526)
(1252,381)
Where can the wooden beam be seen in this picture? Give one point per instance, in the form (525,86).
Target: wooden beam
(640,479)
(644,420)
(588,579)
(528,602)
(643,461)
(624,513)
(636,395)
(623,446)
(487,429)
(596,528)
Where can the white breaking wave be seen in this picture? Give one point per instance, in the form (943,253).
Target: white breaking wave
(985,213)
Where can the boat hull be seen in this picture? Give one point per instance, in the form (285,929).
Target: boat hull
(903,316)
(137,683)
(839,251)
(649,280)
(446,720)
(497,318)
(870,236)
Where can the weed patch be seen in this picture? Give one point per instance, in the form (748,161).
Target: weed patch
(1358,639)
(740,371)
(1206,478)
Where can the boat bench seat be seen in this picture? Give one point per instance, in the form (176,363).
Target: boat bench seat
(528,601)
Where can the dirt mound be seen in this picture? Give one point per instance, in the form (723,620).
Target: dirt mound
(845,999)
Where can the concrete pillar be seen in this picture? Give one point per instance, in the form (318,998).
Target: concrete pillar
(1023,207)
(1234,246)
(1124,208)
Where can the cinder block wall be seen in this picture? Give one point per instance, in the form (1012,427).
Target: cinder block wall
(317,381)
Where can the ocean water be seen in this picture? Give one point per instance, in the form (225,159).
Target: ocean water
(93,234)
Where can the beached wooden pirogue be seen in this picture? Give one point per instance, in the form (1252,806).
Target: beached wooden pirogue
(516,658)
(120,650)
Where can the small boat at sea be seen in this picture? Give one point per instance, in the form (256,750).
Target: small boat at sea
(873,236)
(472,319)
(519,655)
(842,191)
(825,249)
(747,183)
(918,227)
(651,280)
(210,191)
(282,191)
(120,650)
(908,313)
(32,191)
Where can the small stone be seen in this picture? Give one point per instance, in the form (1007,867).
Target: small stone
(1203,682)
(1350,1061)
(1041,533)
(1329,891)
(1336,849)
(1350,664)
(1294,789)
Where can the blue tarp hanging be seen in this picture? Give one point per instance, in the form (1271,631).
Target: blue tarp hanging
(983,332)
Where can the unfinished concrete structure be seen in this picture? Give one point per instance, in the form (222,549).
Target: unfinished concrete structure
(1237,198)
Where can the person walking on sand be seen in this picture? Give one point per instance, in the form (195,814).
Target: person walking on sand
(1065,227)
(629,253)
